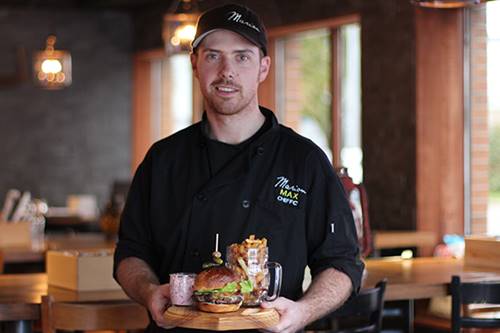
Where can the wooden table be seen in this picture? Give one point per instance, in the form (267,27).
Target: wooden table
(421,278)
(21,296)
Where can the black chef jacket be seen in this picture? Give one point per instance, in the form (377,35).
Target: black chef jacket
(280,186)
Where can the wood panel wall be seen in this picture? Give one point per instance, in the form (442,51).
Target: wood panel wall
(142,108)
(266,91)
(439,117)
(141,124)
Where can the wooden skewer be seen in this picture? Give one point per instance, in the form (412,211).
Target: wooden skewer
(216,254)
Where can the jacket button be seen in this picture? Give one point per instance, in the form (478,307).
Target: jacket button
(260,150)
(245,203)
(201,197)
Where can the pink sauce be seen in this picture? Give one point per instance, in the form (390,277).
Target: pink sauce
(181,288)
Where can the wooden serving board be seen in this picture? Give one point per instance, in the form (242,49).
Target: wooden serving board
(245,318)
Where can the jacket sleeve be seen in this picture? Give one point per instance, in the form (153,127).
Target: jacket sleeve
(331,233)
(134,235)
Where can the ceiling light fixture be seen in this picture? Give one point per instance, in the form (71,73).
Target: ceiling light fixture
(179,26)
(52,68)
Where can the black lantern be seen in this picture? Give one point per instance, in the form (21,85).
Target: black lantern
(51,67)
(179,26)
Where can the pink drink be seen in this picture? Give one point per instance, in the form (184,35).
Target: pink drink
(181,288)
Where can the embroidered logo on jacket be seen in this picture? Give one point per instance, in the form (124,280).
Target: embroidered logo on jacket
(288,194)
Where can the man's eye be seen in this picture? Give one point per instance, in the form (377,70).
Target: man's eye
(212,56)
(243,57)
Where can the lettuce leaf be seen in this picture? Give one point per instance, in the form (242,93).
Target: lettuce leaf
(229,288)
(246,286)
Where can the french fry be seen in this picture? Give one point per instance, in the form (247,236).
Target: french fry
(243,266)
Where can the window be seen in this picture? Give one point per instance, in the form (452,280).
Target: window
(172,95)
(318,88)
(303,85)
(165,99)
(351,154)
(484,118)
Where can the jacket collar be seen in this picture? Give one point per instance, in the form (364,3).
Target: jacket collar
(265,111)
(256,149)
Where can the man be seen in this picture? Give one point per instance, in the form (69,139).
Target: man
(237,172)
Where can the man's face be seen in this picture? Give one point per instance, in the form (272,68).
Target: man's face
(229,69)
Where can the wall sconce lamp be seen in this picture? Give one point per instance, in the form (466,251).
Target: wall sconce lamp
(52,68)
(447,4)
(179,26)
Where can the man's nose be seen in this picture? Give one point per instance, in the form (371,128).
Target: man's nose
(226,69)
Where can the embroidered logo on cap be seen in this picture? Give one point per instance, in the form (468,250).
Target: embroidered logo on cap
(236,17)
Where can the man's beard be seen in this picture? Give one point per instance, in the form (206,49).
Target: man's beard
(229,106)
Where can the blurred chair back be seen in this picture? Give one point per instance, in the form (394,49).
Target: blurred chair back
(466,293)
(360,314)
(92,316)
(358,200)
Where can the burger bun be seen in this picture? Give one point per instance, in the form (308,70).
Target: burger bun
(215,277)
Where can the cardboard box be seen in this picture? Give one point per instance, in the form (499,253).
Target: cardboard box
(81,270)
(482,251)
(15,234)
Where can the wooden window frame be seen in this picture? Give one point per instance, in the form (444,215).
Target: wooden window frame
(267,89)
(143,111)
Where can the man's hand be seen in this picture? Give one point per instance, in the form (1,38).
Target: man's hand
(141,284)
(329,290)
(157,302)
(293,315)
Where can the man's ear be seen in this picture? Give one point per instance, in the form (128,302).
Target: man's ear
(194,57)
(265,65)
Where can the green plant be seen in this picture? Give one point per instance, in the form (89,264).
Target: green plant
(494,170)
(316,68)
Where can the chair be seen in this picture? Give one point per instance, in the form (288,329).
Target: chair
(360,314)
(467,293)
(358,200)
(90,316)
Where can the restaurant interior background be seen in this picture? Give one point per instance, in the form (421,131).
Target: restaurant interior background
(403,96)
(396,106)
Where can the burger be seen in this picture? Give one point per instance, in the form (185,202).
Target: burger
(220,289)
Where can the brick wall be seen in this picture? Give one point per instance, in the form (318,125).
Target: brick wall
(479,121)
(293,83)
(75,140)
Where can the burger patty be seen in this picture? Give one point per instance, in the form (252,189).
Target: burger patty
(219,298)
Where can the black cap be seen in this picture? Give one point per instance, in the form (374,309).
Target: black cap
(233,17)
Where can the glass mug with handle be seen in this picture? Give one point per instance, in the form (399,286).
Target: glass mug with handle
(251,262)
